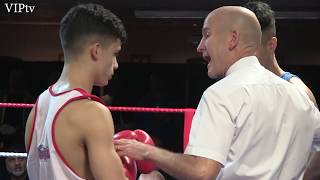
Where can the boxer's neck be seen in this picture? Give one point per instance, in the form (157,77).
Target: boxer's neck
(74,75)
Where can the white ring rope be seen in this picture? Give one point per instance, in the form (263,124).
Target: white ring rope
(12,154)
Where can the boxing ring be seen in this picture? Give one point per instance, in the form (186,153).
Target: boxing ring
(187,112)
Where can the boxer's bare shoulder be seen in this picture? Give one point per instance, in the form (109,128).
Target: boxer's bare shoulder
(302,86)
(83,133)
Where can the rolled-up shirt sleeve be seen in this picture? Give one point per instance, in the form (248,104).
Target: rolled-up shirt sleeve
(212,129)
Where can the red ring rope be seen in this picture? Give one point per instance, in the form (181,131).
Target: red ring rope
(188,114)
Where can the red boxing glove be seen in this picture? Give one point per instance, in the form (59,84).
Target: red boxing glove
(125,134)
(144,166)
(129,167)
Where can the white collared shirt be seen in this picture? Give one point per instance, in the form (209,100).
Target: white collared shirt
(256,124)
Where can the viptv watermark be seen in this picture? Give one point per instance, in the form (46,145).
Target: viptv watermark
(18,8)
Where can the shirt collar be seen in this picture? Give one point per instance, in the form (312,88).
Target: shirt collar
(242,63)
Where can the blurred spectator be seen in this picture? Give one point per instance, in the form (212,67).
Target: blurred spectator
(16,167)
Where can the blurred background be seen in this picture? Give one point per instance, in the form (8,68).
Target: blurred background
(158,66)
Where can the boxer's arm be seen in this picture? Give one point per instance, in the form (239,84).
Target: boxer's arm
(300,84)
(97,134)
(28,131)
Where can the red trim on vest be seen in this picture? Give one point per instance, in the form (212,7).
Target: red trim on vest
(96,98)
(33,124)
(57,94)
(90,96)
(82,91)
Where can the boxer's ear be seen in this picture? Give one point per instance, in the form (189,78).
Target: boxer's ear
(95,51)
(272,44)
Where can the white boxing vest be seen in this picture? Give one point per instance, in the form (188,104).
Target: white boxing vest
(45,161)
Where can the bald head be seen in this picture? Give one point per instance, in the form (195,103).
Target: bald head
(230,19)
(229,33)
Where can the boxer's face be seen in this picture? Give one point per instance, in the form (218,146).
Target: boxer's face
(107,62)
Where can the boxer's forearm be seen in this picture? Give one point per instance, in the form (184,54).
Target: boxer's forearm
(183,166)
